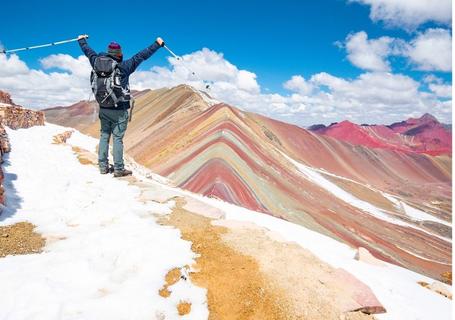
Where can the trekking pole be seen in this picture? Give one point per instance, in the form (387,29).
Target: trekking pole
(207,86)
(39,46)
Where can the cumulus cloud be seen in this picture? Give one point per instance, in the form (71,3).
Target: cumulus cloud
(437,86)
(431,50)
(409,14)
(206,64)
(373,96)
(427,51)
(369,54)
(36,88)
(441,90)
(12,66)
(299,84)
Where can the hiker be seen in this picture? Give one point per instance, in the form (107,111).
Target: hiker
(110,85)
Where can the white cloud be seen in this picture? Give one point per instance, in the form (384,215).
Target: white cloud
(78,67)
(371,91)
(427,51)
(437,86)
(409,14)
(12,66)
(206,64)
(373,97)
(299,84)
(431,50)
(368,54)
(441,90)
(37,88)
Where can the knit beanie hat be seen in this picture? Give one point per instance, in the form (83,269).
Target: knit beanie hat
(114,49)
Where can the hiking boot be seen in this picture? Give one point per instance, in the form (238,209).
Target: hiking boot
(107,170)
(122,173)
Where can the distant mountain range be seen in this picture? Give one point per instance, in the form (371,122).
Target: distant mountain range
(422,135)
(379,187)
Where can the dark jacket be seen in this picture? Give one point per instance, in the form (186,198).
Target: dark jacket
(126,67)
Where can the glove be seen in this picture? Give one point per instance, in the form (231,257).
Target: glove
(160,41)
(82,36)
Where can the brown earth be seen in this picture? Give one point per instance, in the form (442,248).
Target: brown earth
(236,289)
(84,156)
(316,290)
(447,277)
(172,277)
(20,238)
(241,286)
(184,308)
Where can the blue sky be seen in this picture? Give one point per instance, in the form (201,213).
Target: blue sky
(275,40)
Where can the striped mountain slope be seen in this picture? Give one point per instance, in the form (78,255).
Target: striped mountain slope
(395,203)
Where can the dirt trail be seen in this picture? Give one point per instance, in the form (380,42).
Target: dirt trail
(249,275)
(236,287)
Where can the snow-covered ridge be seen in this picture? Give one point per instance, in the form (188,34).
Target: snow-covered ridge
(105,256)
(205,96)
(117,256)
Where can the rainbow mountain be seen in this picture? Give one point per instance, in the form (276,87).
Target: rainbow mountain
(395,203)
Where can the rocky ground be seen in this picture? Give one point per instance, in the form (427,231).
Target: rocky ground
(19,238)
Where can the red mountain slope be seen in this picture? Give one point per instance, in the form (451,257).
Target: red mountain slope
(421,135)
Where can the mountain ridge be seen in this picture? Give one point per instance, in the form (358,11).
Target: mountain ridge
(421,135)
(220,151)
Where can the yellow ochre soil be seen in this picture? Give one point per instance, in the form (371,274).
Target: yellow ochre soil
(19,238)
(172,277)
(184,308)
(236,289)
(239,285)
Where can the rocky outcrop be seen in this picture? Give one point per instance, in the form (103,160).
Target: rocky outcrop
(4,148)
(62,137)
(5,98)
(17,117)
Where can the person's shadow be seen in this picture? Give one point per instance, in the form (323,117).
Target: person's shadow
(12,199)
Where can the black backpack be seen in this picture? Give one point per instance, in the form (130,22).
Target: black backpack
(105,81)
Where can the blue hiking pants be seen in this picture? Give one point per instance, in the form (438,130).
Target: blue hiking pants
(113,122)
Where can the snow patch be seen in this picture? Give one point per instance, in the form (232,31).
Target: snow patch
(420,215)
(366,207)
(108,257)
